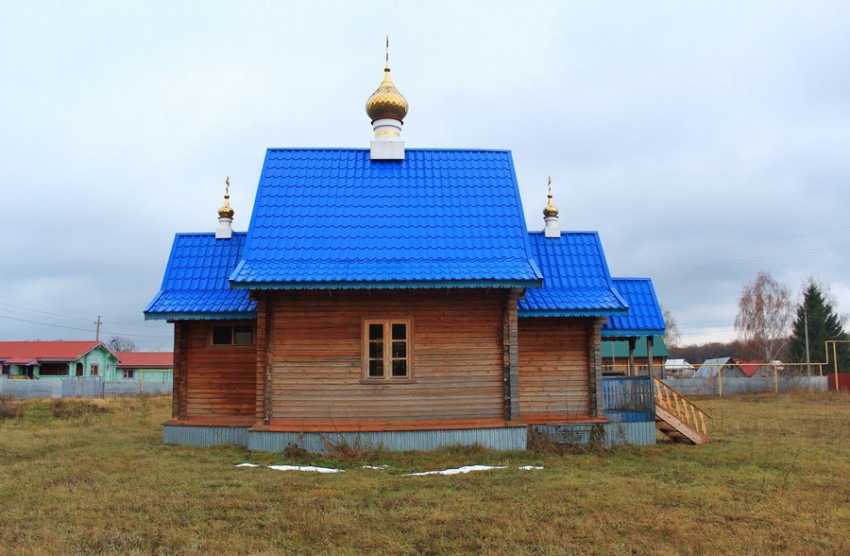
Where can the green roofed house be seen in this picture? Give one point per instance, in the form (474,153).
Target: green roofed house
(57,359)
(615,356)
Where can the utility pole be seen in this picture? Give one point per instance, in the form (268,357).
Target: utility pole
(99,322)
(806,323)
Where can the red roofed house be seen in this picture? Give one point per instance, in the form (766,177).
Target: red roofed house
(145,366)
(752,368)
(57,359)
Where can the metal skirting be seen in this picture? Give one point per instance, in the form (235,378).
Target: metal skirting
(606,434)
(500,439)
(204,436)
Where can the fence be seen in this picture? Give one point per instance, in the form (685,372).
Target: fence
(843,381)
(23,389)
(746,385)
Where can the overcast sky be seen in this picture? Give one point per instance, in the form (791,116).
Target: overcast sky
(706,141)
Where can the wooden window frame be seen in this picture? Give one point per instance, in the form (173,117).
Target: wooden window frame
(233,326)
(388,377)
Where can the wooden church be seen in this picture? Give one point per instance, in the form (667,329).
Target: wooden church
(388,297)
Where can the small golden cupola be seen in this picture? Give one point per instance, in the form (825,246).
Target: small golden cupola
(550,216)
(225,215)
(387,108)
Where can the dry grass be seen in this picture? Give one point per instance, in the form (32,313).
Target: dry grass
(99,481)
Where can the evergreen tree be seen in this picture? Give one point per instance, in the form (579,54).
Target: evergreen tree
(824,324)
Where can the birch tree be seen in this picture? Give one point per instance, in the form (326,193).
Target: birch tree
(672,337)
(764,313)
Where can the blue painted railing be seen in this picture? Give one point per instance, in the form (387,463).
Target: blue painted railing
(628,399)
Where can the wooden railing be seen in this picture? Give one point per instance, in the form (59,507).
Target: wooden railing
(680,407)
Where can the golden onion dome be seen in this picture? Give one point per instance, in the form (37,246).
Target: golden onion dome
(550,209)
(387,101)
(226,211)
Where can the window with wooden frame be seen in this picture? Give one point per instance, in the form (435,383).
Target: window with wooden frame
(386,349)
(232,335)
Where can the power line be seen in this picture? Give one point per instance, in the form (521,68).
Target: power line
(42,312)
(685,268)
(739,245)
(74,317)
(108,332)
(46,323)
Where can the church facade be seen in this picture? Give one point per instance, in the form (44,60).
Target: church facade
(389,297)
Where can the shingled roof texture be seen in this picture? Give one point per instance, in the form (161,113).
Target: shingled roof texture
(644,317)
(576,277)
(195,281)
(336,218)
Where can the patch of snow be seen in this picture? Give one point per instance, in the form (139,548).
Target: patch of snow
(459,470)
(304,468)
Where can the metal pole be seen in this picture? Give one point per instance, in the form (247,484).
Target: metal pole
(97,334)
(720,375)
(649,356)
(776,378)
(835,362)
(808,358)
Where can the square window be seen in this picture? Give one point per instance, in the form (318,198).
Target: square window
(222,335)
(399,349)
(376,368)
(399,367)
(243,335)
(386,354)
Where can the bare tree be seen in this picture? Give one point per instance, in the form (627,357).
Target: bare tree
(672,338)
(120,343)
(764,314)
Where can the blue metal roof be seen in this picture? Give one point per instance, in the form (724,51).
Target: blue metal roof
(195,285)
(576,281)
(644,317)
(334,218)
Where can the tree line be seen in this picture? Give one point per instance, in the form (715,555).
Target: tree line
(771,326)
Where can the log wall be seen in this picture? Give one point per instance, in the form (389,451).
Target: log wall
(315,349)
(220,381)
(555,369)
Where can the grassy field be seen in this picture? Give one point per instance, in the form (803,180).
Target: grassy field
(81,477)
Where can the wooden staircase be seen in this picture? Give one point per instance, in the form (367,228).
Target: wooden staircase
(677,416)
